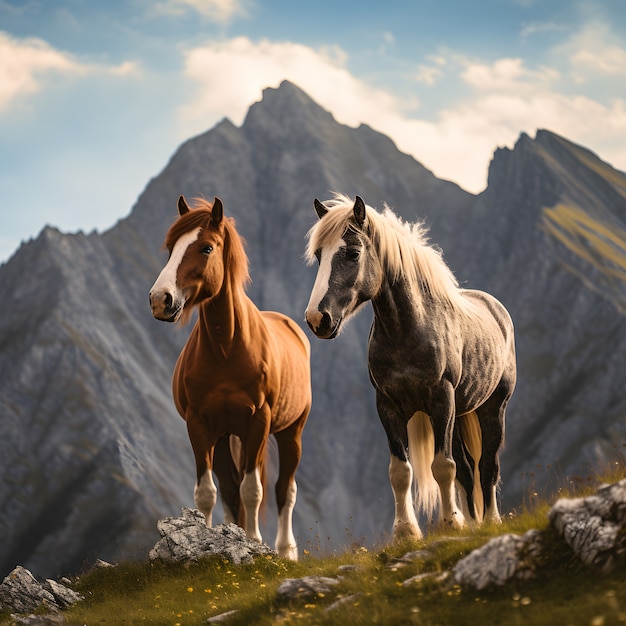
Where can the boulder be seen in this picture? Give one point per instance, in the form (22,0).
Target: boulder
(593,527)
(499,561)
(304,588)
(21,592)
(188,538)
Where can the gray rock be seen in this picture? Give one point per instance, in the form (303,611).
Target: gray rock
(49,619)
(499,561)
(188,538)
(222,617)
(353,597)
(594,527)
(418,578)
(304,588)
(64,596)
(21,592)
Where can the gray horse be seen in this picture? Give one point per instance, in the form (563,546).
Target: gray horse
(441,358)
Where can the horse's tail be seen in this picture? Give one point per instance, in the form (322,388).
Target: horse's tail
(472,438)
(421,456)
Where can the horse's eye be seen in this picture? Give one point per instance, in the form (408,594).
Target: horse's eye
(318,255)
(207,249)
(353,254)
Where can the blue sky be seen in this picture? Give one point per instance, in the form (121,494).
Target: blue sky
(96,96)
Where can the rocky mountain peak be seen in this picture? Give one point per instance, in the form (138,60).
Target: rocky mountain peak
(93,451)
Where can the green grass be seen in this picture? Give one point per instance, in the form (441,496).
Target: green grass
(376,592)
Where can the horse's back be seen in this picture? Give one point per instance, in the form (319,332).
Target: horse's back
(288,330)
(495,334)
(490,304)
(292,358)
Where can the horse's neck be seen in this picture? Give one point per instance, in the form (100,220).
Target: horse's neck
(396,308)
(226,319)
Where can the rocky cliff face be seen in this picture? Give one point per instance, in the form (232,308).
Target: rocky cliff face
(92,451)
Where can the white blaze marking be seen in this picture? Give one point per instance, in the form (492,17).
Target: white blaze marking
(166,282)
(322,282)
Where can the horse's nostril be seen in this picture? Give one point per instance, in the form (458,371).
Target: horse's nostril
(167,298)
(325,320)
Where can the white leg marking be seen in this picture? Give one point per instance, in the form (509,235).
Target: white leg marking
(444,471)
(401,479)
(251,491)
(492,514)
(205,496)
(464,506)
(320,288)
(285,540)
(166,282)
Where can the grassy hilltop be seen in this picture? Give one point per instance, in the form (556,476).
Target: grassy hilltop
(379,587)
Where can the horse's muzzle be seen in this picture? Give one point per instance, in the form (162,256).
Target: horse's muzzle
(321,324)
(164,307)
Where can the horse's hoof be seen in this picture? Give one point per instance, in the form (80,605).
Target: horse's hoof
(405,531)
(290,552)
(456,521)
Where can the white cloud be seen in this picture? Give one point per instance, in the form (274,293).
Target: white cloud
(430,74)
(594,51)
(508,75)
(25,63)
(233,73)
(456,143)
(217,10)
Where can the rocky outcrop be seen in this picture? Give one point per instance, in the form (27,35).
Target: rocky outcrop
(188,538)
(21,592)
(594,528)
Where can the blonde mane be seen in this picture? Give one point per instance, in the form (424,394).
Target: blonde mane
(403,248)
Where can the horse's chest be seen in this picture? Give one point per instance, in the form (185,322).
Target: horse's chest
(229,389)
(408,371)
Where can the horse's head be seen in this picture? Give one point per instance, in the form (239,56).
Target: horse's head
(349,271)
(195,269)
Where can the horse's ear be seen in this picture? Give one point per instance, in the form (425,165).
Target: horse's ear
(320,209)
(217,212)
(359,211)
(182,206)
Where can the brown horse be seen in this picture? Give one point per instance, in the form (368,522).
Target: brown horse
(243,374)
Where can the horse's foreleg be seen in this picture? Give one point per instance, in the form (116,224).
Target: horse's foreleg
(401,478)
(444,466)
(251,491)
(289,443)
(400,471)
(205,491)
(444,471)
